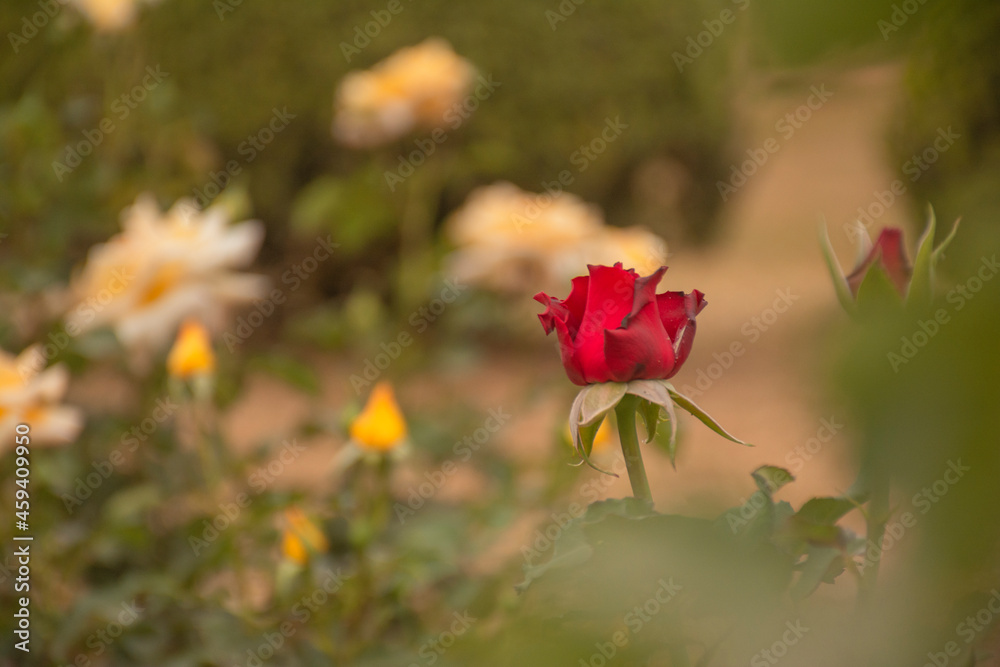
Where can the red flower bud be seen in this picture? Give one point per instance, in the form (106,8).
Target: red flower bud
(890,254)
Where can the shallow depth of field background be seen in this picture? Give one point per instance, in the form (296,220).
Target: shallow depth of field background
(806,389)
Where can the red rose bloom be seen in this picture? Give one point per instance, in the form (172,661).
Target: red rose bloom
(614,327)
(890,254)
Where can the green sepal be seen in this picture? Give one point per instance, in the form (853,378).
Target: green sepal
(922,282)
(687,404)
(840,285)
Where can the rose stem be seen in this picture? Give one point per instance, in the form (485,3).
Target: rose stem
(625,412)
(878,514)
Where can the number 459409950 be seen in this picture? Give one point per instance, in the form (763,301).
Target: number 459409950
(21,495)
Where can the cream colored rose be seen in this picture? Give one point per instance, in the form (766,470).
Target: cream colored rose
(414,87)
(163,269)
(108,15)
(31,394)
(515,241)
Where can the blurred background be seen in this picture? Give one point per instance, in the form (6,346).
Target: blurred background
(410,204)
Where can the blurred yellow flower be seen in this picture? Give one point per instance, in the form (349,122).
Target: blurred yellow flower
(192,353)
(414,87)
(301,537)
(30,394)
(601,439)
(380,426)
(635,247)
(165,268)
(108,15)
(510,240)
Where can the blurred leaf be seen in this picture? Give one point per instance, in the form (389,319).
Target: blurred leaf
(825,510)
(355,208)
(822,564)
(571,548)
(771,478)
(285,367)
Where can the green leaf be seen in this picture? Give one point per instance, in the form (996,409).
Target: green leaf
(771,478)
(921,285)
(836,274)
(687,404)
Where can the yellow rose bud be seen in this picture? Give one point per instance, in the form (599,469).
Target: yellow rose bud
(301,537)
(192,353)
(380,426)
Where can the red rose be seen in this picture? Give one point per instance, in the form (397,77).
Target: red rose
(890,254)
(614,327)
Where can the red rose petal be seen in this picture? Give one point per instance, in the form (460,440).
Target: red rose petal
(641,350)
